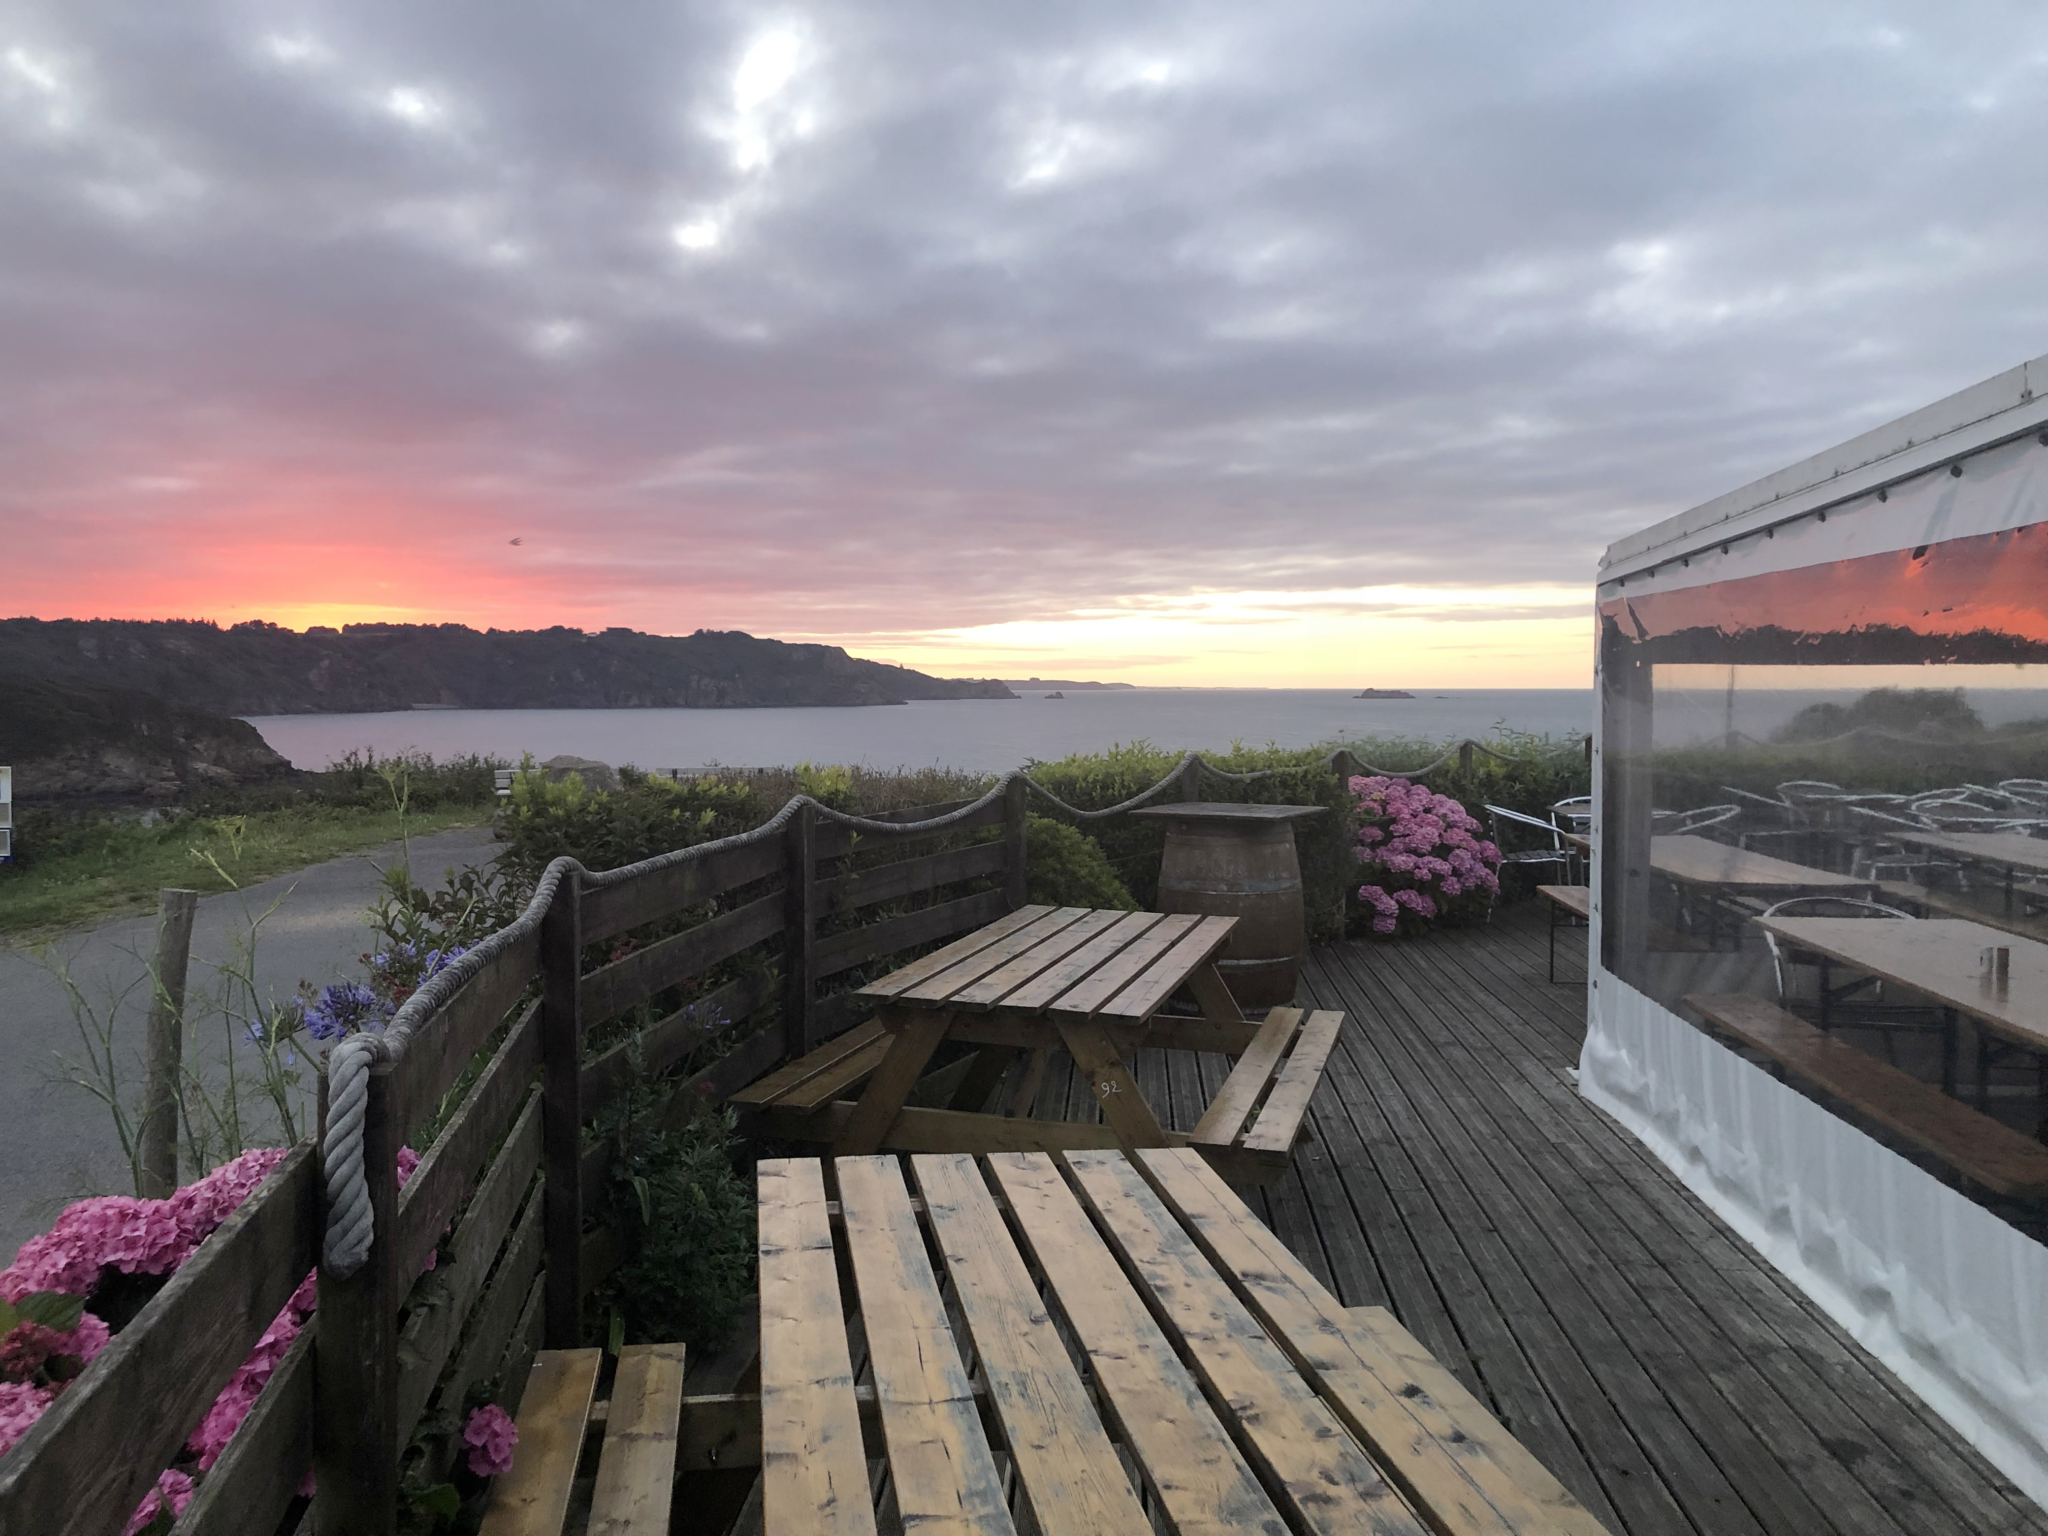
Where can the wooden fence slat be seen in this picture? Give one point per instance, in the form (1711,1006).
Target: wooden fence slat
(799,928)
(498,1311)
(667,1041)
(614,988)
(909,877)
(433,1194)
(88,1461)
(612,909)
(259,1473)
(561,1054)
(835,1015)
(445,1045)
(843,951)
(432,1329)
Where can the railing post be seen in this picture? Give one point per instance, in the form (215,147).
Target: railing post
(799,929)
(1345,763)
(561,1114)
(163,1044)
(1191,780)
(1465,760)
(355,1452)
(1016,843)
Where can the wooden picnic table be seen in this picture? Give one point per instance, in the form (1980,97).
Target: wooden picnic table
(1131,1350)
(1691,860)
(1041,980)
(2013,852)
(1940,959)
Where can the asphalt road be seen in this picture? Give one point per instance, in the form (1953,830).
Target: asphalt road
(57,1143)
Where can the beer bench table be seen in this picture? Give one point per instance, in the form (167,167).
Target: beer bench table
(1044,979)
(1102,1344)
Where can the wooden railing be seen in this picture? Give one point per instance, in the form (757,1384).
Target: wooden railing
(766,936)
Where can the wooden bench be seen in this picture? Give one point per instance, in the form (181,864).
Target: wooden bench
(1950,904)
(637,1460)
(1975,1145)
(1248,1132)
(1565,901)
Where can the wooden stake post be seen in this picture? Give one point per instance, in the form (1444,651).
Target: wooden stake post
(163,1045)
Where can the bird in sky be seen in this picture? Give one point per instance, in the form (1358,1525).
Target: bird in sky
(518,541)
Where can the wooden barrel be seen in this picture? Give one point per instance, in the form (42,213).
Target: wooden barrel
(1239,861)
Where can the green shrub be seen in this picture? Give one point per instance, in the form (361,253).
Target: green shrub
(687,1216)
(646,816)
(1066,867)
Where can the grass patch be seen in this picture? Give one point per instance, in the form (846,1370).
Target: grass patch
(97,866)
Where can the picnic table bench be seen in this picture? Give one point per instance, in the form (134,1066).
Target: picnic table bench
(1565,901)
(1985,1150)
(1041,980)
(636,1462)
(1104,1343)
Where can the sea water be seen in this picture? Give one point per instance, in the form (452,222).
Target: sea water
(979,735)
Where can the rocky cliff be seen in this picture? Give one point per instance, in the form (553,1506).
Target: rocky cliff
(73,740)
(261,669)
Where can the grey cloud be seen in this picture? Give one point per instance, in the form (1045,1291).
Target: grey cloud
(1049,304)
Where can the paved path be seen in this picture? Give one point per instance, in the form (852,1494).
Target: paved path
(56,1142)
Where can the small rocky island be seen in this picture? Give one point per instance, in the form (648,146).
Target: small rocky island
(1384,693)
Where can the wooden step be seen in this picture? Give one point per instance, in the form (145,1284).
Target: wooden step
(1984,1149)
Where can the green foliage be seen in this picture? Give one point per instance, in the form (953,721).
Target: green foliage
(688,1219)
(828,786)
(1935,712)
(1067,868)
(543,820)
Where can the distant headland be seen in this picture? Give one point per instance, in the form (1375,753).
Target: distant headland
(1058,682)
(258,668)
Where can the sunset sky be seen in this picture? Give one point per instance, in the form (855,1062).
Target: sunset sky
(1288,344)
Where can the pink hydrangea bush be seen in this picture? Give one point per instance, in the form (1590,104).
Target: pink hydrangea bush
(143,1237)
(1424,855)
(490,1436)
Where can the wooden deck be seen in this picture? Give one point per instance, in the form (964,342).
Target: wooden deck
(1671,1380)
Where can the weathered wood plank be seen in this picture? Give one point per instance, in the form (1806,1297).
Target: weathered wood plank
(612,909)
(258,1475)
(939,959)
(1279,1121)
(1331,1486)
(636,1466)
(1190,1460)
(1170,972)
(1099,950)
(89,1460)
(668,1040)
(794,1075)
(443,1047)
(1014,974)
(632,979)
(1224,1119)
(912,1039)
(1070,1471)
(922,876)
(561,1050)
(494,1320)
(936,987)
(950,1130)
(944,1475)
(857,946)
(1428,1447)
(433,1327)
(814,1471)
(1103,983)
(532,1499)
(434,1193)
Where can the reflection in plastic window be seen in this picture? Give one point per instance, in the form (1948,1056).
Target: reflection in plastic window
(1856,852)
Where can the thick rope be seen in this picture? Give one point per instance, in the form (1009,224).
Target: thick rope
(350,1224)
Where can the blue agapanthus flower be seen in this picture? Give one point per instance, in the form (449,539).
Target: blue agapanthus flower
(346,1008)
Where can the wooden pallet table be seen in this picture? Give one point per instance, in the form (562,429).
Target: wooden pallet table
(1042,980)
(1107,1343)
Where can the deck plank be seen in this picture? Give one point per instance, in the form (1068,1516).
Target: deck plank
(1664,1373)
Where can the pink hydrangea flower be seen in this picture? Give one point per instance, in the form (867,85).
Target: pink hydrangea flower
(490,1436)
(1419,848)
(173,1489)
(20,1406)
